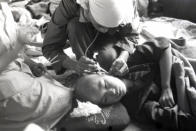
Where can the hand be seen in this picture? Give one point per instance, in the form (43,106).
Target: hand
(38,69)
(119,67)
(166,99)
(85,64)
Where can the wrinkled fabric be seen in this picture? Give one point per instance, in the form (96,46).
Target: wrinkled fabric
(8,33)
(25,99)
(112,13)
(142,100)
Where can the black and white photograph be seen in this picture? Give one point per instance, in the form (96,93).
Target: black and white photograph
(97,65)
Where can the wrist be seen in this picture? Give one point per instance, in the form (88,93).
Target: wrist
(68,63)
(124,55)
(165,86)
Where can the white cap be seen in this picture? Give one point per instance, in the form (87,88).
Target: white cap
(111,13)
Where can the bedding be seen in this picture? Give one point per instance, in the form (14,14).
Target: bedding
(183,31)
(114,118)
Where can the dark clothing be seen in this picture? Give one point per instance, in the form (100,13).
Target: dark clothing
(142,99)
(143,67)
(65,26)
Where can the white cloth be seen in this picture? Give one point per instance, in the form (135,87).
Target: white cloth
(111,16)
(25,99)
(111,13)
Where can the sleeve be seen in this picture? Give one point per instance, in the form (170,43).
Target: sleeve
(153,50)
(56,37)
(127,44)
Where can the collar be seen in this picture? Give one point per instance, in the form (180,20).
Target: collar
(83,14)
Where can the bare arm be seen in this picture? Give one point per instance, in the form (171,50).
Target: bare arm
(166,99)
(119,66)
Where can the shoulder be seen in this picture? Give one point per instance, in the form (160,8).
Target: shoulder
(66,10)
(159,43)
(69,3)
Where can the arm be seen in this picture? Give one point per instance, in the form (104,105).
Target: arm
(165,67)
(124,55)
(119,66)
(56,36)
(158,50)
(166,99)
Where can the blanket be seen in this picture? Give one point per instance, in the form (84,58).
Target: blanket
(183,32)
(185,84)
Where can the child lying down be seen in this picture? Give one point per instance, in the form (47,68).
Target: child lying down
(140,90)
(142,104)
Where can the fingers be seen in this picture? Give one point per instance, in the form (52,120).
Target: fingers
(86,64)
(167,101)
(119,68)
(86,60)
(124,69)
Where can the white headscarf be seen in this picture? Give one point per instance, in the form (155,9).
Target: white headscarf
(110,13)
(83,3)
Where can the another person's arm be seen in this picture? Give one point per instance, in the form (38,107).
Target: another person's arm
(158,51)
(119,66)
(56,37)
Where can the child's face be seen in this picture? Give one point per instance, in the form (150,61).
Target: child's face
(100,89)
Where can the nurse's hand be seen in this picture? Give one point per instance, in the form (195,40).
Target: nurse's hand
(85,65)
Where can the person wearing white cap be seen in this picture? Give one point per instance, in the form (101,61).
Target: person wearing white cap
(99,31)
